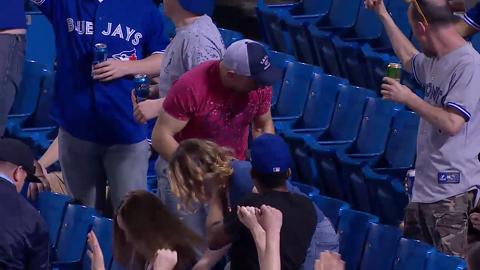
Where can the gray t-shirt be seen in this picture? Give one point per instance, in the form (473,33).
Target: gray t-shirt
(446,165)
(193,44)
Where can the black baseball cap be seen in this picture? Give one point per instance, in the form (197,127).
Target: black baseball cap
(250,58)
(19,154)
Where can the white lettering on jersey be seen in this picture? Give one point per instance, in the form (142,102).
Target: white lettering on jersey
(80,27)
(88,28)
(136,39)
(118,31)
(130,32)
(108,31)
(70,25)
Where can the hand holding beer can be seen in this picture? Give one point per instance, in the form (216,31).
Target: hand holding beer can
(394,71)
(142,87)
(100,53)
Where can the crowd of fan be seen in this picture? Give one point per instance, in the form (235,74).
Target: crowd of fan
(204,102)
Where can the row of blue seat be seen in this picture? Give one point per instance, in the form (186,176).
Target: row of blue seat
(364,243)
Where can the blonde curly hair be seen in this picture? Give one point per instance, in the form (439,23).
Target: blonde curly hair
(198,167)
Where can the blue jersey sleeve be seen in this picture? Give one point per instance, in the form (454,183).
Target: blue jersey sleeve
(157,40)
(472,17)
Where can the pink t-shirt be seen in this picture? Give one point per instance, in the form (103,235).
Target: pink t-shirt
(214,112)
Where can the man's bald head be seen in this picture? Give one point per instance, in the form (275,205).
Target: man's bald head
(437,12)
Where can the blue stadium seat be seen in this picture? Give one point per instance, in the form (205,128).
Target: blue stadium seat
(40,40)
(294,91)
(352,230)
(281,61)
(169,26)
(52,208)
(369,144)
(411,254)
(280,39)
(385,179)
(230,36)
(72,239)
(441,261)
(476,42)
(332,208)
(376,65)
(103,229)
(309,190)
(381,247)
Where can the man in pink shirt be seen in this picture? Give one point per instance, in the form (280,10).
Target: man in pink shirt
(216,101)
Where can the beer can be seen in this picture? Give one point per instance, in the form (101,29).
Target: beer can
(101,53)
(394,71)
(142,87)
(409,181)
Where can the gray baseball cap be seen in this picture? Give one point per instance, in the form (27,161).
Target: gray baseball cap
(250,58)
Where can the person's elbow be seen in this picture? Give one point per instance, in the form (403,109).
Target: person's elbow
(455,125)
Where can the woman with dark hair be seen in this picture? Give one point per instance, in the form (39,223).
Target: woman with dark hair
(147,234)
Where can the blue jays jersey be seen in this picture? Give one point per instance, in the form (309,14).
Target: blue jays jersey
(472,16)
(89,109)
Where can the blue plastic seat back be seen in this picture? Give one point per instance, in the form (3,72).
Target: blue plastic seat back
(40,40)
(41,117)
(381,247)
(72,238)
(301,42)
(308,190)
(398,10)
(352,230)
(441,261)
(476,42)
(343,13)
(52,208)
(230,36)
(320,105)
(402,142)
(376,64)
(368,25)
(281,40)
(281,61)
(294,91)
(311,7)
(26,97)
(103,229)
(375,126)
(411,254)
(332,208)
(348,112)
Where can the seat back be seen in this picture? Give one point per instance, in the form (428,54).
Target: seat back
(229,36)
(294,90)
(332,208)
(411,254)
(72,238)
(343,13)
(376,64)
(40,31)
(321,101)
(281,61)
(352,230)
(476,42)
(281,40)
(402,142)
(315,6)
(381,247)
(26,97)
(398,11)
(375,126)
(441,261)
(52,208)
(103,229)
(308,190)
(348,112)
(368,25)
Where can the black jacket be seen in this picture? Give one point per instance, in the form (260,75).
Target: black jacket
(23,232)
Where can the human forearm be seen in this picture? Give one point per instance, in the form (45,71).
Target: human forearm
(270,259)
(50,156)
(149,66)
(164,143)
(402,46)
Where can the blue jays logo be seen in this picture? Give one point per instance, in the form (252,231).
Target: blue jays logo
(126,55)
(265,62)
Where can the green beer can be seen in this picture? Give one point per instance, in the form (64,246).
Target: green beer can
(394,71)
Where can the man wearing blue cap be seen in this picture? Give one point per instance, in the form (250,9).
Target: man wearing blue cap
(271,163)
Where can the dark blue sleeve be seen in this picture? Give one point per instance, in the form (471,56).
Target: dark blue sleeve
(38,255)
(157,39)
(472,17)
